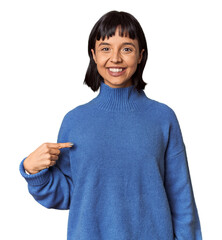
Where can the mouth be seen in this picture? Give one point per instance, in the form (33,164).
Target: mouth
(116,69)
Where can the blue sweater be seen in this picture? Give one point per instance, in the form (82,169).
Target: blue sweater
(127,175)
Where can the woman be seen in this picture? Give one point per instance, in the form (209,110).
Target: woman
(126,177)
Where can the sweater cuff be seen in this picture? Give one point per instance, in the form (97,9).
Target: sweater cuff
(36,179)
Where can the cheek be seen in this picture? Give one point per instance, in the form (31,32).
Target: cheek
(101,65)
(101,60)
(132,63)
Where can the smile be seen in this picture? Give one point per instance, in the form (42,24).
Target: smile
(116,72)
(116,69)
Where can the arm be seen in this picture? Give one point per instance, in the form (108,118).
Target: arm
(179,187)
(52,187)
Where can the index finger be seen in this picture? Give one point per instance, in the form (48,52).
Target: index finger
(60,145)
(65,145)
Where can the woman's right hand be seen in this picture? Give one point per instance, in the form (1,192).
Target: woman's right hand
(44,156)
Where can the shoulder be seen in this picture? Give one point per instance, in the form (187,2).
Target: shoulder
(166,118)
(76,114)
(70,119)
(161,111)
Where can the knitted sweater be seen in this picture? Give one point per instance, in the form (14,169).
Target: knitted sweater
(127,175)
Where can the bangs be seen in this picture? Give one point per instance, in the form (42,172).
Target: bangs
(107,25)
(108,29)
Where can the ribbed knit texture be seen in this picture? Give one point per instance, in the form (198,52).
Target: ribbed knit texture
(127,175)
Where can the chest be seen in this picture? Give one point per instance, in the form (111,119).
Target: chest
(116,142)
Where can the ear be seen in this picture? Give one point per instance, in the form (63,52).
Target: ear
(94,55)
(141,56)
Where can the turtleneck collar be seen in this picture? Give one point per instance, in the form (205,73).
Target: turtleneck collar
(120,99)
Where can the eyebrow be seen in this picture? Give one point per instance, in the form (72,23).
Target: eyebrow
(125,43)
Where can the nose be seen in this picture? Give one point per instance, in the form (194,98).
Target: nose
(115,57)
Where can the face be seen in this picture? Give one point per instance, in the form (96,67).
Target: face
(117,59)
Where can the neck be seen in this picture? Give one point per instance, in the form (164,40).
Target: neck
(126,84)
(120,99)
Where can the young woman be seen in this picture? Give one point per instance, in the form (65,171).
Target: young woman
(126,177)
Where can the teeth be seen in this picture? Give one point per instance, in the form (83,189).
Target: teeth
(116,69)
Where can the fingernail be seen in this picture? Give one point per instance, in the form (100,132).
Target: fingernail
(71,144)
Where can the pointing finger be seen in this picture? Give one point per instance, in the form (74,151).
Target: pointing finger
(59,145)
(65,145)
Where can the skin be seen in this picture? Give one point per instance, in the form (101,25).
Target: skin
(43,157)
(114,52)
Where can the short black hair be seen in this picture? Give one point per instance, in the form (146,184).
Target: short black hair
(106,27)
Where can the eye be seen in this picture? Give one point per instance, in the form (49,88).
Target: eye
(105,49)
(127,50)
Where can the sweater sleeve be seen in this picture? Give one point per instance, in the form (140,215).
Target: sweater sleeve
(52,187)
(179,187)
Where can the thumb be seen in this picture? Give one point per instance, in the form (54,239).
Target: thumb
(65,145)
